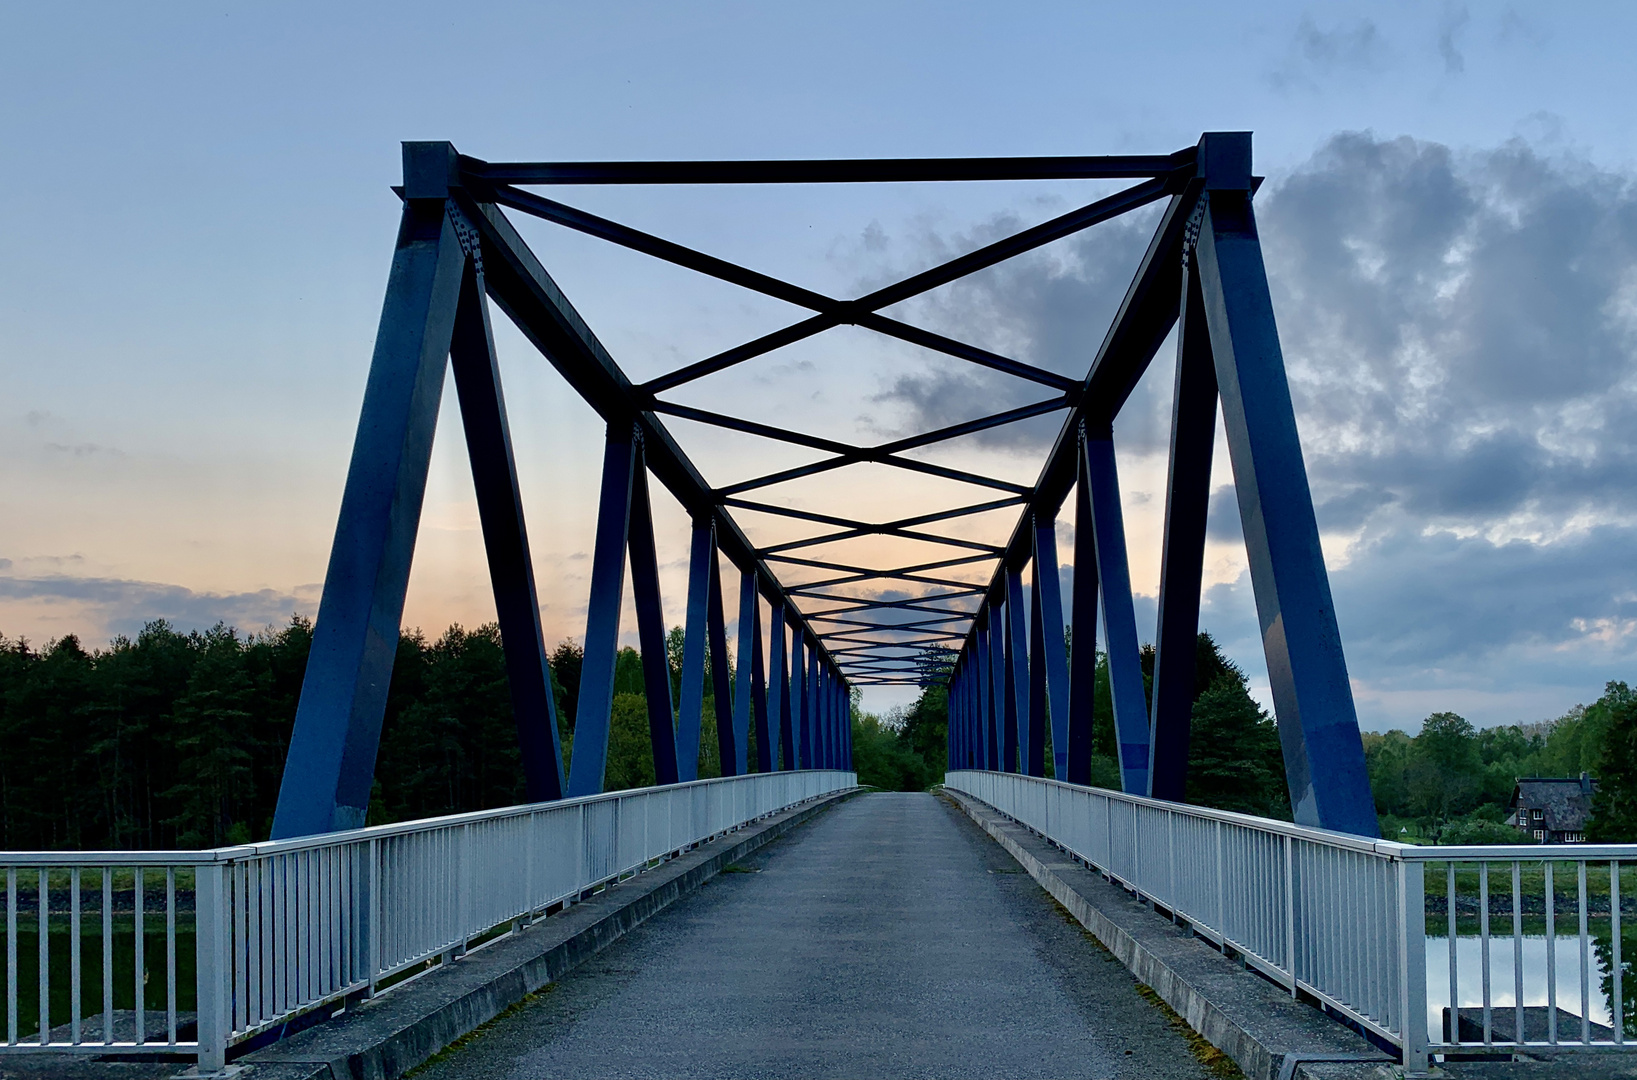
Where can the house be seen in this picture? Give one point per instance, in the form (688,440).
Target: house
(1553,809)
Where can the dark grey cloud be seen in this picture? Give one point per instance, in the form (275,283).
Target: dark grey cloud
(124,606)
(1460,328)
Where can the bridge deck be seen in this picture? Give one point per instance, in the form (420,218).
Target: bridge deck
(887,938)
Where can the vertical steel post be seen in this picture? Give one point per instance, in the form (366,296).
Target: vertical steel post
(1049,601)
(997,689)
(505,539)
(331,762)
(1119,619)
(1036,742)
(798,700)
(1083,664)
(747,678)
(767,725)
(732,724)
(1187,504)
(691,707)
(213,965)
(810,718)
(1318,724)
(589,759)
(1015,755)
(656,666)
(778,688)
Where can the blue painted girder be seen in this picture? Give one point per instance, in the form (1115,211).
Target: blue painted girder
(331,762)
(1119,619)
(1318,726)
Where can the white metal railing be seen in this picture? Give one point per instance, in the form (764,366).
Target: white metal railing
(284,928)
(1344,918)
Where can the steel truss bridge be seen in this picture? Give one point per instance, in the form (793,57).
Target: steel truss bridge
(330,912)
(457,250)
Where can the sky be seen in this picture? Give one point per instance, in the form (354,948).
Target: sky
(198,225)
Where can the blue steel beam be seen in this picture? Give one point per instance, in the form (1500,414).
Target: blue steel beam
(732,724)
(1015,755)
(997,689)
(1182,557)
(1046,232)
(778,687)
(520,285)
(828,171)
(746,678)
(506,541)
(331,762)
(1036,742)
(809,711)
(656,667)
(1125,679)
(1049,602)
(1318,725)
(767,726)
(690,709)
(801,746)
(589,760)
(1083,662)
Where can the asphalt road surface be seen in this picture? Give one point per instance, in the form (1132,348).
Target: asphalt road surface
(887,937)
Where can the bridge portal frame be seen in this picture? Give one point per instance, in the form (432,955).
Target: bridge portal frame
(457,250)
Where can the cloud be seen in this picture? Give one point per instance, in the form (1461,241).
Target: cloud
(1450,25)
(120,606)
(1460,330)
(1315,55)
(1050,308)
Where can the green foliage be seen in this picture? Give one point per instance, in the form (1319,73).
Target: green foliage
(1614,808)
(168,740)
(1234,758)
(1451,780)
(1474,829)
(178,740)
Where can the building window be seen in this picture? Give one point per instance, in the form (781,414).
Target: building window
(1540,834)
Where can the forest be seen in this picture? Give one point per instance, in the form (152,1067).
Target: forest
(177,739)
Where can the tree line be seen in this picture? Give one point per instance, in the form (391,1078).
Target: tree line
(177,740)
(1234,760)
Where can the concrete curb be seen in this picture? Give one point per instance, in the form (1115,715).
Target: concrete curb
(392,1034)
(1254,1022)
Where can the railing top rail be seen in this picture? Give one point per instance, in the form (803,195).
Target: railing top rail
(209,856)
(1389,849)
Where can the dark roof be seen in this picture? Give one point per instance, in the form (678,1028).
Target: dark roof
(1566,800)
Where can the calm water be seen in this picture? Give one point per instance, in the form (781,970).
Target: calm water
(1469,976)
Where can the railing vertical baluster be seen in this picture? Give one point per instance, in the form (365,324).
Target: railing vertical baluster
(1483,949)
(1517,951)
(1454,1033)
(139,964)
(1585,960)
(170,956)
(107,955)
(74,960)
(43,944)
(1290,911)
(11,956)
(1551,955)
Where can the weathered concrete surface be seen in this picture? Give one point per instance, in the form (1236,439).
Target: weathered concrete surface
(887,938)
(1248,1018)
